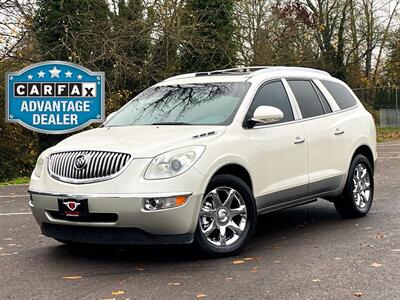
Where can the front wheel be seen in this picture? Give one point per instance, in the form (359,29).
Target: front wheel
(227,216)
(357,196)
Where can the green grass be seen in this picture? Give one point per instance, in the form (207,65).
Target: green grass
(20,180)
(387,134)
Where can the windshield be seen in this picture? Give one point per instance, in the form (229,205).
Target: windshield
(186,104)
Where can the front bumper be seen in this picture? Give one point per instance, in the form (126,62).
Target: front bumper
(132,224)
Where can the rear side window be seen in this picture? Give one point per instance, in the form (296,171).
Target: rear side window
(324,102)
(341,95)
(273,94)
(307,98)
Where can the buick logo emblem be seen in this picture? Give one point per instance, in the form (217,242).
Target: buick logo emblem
(80,162)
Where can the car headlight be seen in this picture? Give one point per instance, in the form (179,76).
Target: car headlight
(173,163)
(39,166)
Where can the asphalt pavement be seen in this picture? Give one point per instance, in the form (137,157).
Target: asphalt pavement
(306,252)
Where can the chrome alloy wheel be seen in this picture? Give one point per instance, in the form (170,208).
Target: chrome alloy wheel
(223,216)
(361,186)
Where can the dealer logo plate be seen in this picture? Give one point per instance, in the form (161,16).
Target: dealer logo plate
(55,97)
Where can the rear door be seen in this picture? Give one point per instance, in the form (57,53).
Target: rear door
(345,126)
(323,146)
(279,160)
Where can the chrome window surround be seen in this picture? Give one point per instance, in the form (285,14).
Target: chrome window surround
(328,96)
(295,107)
(86,180)
(311,81)
(293,100)
(293,103)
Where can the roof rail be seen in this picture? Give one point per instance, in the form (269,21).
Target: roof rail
(182,76)
(237,70)
(249,70)
(241,69)
(284,68)
(253,70)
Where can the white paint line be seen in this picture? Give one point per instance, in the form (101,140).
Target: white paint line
(14,196)
(15,214)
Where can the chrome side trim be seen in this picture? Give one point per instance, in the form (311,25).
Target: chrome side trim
(326,185)
(278,198)
(293,203)
(299,194)
(110,195)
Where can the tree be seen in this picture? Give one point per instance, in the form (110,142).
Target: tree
(291,40)
(383,41)
(71,30)
(131,34)
(14,28)
(252,20)
(167,35)
(208,42)
(329,32)
(393,61)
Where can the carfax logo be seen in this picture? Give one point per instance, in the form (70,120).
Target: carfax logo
(55,97)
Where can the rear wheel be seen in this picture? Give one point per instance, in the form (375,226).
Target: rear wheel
(227,216)
(357,196)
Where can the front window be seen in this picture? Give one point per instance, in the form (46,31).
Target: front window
(185,104)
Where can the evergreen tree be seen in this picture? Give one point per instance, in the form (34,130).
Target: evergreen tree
(71,30)
(209,35)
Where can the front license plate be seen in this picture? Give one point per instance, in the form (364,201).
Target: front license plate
(73,207)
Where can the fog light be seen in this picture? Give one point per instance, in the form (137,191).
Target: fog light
(161,203)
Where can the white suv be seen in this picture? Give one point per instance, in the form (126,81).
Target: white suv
(198,156)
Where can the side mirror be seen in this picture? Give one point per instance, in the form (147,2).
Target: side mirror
(109,117)
(267,114)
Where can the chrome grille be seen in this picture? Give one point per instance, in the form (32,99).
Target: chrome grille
(86,166)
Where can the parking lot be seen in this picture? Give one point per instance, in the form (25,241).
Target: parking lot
(306,252)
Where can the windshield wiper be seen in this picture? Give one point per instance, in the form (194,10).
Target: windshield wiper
(170,123)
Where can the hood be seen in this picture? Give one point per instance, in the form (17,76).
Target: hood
(140,141)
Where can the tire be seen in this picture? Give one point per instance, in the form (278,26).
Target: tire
(358,193)
(228,206)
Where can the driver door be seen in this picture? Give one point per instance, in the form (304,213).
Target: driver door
(280,156)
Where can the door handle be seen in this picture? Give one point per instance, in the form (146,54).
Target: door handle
(338,131)
(299,140)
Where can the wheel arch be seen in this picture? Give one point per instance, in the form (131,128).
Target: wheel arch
(236,170)
(367,152)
